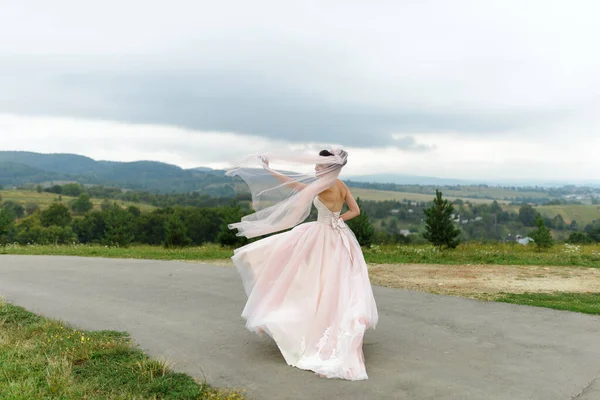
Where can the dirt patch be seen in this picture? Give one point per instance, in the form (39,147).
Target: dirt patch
(485,280)
(480,281)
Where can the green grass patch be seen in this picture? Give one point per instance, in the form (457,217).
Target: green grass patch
(44,199)
(492,254)
(388,195)
(206,252)
(42,358)
(582,213)
(588,303)
(467,253)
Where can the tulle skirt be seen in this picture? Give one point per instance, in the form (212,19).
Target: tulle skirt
(309,290)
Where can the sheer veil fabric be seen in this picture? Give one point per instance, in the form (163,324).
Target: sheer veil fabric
(279,206)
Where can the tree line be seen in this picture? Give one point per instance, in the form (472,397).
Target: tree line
(193,219)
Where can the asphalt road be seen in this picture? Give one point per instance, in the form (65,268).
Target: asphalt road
(425,346)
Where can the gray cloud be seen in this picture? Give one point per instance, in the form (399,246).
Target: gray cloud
(234,101)
(410,143)
(342,72)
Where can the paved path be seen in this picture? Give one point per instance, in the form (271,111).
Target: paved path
(425,347)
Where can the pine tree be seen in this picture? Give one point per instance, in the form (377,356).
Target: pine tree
(6,223)
(439,227)
(542,237)
(362,227)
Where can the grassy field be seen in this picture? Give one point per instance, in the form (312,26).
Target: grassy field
(588,303)
(583,214)
(468,253)
(383,195)
(498,193)
(472,193)
(45,199)
(46,359)
(146,252)
(489,254)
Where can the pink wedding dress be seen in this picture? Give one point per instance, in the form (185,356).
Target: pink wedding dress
(309,290)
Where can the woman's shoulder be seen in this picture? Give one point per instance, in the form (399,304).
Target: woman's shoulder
(342,187)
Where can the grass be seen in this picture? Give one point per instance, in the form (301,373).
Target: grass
(44,200)
(42,358)
(383,195)
(206,252)
(467,253)
(583,214)
(493,254)
(498,193)
(588,303)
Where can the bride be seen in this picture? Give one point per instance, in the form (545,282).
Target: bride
(308,288)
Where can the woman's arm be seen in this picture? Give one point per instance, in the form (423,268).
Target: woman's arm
(353,210)
(282,178)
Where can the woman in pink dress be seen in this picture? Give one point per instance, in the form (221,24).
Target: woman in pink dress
(308,288)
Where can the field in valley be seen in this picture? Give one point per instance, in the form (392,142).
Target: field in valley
(44,199)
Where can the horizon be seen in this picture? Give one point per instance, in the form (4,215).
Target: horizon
(378,177)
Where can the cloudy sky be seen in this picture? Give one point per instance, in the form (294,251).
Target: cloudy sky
(495,89)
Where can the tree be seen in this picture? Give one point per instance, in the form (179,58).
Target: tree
(495,208)
(527,215)
(439,227)
(54,189)
(542,237)
(105,205)
(135,211)
(15,208)
(90,229)
(31,208)
(6,223)
(57,214)
(119,226)
(150,227)
(579,238)
(175,232)
(558,222)
(226,236)
(574,226)
(362,227)
(73,189)
(593,230)
(82,204)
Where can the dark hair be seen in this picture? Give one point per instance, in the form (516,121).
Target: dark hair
(325,153)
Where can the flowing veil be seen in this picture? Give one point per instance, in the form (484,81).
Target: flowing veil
(282,199)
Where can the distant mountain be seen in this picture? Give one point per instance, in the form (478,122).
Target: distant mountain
(59,163)
(202,169)
(12,173)
(400,179)
(20,168)
(410,180)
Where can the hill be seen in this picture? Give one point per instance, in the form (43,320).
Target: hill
(21,168)
(18,168)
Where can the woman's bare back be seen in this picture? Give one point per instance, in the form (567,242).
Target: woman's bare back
(334,197)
